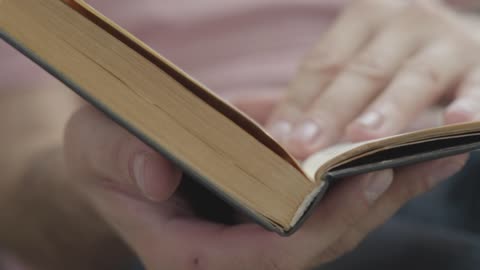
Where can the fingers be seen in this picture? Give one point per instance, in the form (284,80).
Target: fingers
(420,83)
(342,208)
(349,202)
(345,206)
(466,105)
(351,91)
(97,147)
(408,183)
(409,59)
(213,246)
(336,48)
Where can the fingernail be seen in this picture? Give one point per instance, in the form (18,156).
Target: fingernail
(307,133)
(280,130)
(463,105)
(377,184)
(371,120)
(144,173)
(139,170)
(462,110)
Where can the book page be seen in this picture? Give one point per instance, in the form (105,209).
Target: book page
(319,163)
(135,90)
(209,97)
(311,165)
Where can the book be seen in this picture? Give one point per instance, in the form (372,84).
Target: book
(221,148)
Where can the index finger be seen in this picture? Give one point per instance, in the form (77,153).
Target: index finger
(349,34)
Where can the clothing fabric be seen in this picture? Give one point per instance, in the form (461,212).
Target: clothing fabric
(245,45)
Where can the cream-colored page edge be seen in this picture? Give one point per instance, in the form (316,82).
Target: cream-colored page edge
(319,163)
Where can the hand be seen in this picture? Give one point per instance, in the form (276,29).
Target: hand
(132,188)
(381,65)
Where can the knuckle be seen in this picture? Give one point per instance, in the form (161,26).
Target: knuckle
(369,67)
(294,103)
(322,63)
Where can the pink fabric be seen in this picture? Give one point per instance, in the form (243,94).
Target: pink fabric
(228,45)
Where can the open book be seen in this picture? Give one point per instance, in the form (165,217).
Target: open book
(217,145)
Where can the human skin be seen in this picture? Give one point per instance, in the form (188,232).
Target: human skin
(132,187)
(138,180)
(46,224)
(396,63)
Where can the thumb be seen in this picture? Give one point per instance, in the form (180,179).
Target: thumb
(97,147)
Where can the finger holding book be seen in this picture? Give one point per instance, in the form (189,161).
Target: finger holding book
(165,233)
(409,183)
(96,144)
(180,118)
(158,224)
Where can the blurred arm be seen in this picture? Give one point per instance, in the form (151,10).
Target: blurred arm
(44,221)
